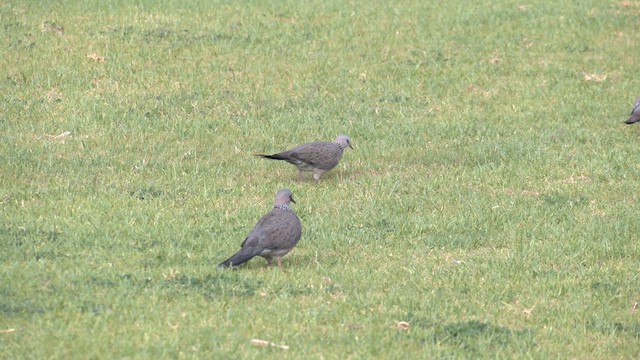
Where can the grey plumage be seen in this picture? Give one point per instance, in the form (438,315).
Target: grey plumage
(317,157)
(635,113)
(274,235)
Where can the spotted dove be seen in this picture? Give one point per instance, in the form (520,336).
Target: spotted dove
(635,113)
(317,157)
(274,235)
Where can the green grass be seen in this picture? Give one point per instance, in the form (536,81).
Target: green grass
(491,201)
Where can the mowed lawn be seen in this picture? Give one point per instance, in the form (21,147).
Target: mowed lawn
(488,210)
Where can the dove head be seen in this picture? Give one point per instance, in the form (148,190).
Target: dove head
(283,198)
(344,141)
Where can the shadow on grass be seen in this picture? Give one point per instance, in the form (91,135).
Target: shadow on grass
(560,200)
(474,334)
(474,337)
(214,286)
(146,193)
(10,308)
(610,328)
(29,243)
(209,287)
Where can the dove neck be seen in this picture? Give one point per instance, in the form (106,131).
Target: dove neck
(282,207)
(340,146)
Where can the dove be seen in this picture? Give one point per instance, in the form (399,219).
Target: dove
(317,157)
(274,235)
(635,113)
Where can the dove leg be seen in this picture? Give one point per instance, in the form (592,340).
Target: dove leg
(317,173)
(279,260)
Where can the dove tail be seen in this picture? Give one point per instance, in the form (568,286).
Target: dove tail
(272,157)
(238,259)
(632,120)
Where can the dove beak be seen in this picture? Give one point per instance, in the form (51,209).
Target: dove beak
(349,143)
(293,201)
